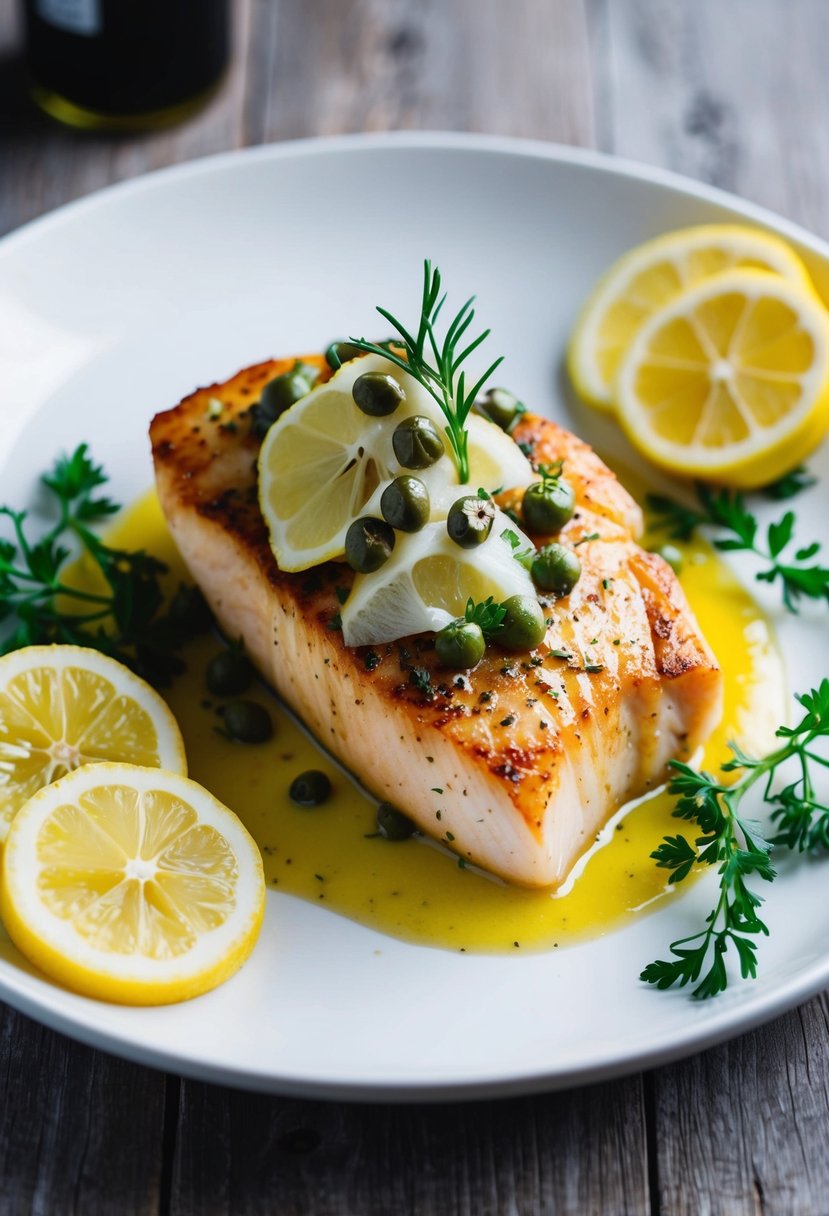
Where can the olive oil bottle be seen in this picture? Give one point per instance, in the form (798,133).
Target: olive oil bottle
(125,64)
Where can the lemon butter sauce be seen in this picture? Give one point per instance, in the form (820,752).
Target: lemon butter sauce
(415,889)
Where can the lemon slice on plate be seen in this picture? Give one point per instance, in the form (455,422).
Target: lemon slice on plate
(427,581)
(131,885)
(65,706)
(325,463)
(730,381)
(649,277)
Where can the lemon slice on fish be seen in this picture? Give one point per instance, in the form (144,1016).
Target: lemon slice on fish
(729,382)
(649,277)
(132,885)
(65,706)
(428,580)
(325,463)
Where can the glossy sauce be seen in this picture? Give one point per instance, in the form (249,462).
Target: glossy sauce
(415,889)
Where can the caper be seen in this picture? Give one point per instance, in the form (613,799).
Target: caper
(393,824)
(339,353)
(247,722)
(556,568)
(417,443)
(469,521)
(460,645)
(377,394)
(500,406)
(189,612)
(280,394)
(229,673)
(548,505)
(311,788)
(368,544)
(672,556)
(523,627)
(405,503)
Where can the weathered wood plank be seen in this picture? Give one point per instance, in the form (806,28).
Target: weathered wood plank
(366,65)
(80,1132)
(42,165)
(580,1152)
(742,1129)
(734,94)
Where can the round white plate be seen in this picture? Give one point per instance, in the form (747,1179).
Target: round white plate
(114,308)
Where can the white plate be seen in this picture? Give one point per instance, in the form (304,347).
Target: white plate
(116,307)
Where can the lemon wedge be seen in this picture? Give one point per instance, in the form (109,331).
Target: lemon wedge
(131,885)
(649,277)
(730,381)
(428,579)
(325,463)
(66,706)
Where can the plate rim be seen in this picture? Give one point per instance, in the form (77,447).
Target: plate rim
(22,992)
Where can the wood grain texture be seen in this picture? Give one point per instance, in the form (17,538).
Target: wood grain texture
(80,1132)
(579,1153)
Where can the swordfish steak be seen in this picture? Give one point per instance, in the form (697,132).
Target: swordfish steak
(517,764)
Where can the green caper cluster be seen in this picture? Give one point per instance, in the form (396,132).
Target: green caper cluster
(547,505)
(228,674)
(461,644)
(404,504)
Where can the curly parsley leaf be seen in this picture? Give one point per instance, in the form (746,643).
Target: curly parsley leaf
(735,845)
(126,617)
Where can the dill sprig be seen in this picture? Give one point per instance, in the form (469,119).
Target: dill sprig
(436,363)
(737,847)
(798,573)
(126,617)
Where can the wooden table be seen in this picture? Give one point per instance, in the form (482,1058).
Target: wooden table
(735,92)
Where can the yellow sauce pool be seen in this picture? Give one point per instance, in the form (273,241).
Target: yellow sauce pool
(413,889)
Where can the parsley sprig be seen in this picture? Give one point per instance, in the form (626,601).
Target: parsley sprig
(487,614)
(737,847)
(436,363)
(126,617)
(798,573)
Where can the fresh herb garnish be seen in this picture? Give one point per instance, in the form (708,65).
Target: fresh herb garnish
(436,364)
(726,511)
(524,555)
(736,846)
(790,485)
(126,617)
(487,615)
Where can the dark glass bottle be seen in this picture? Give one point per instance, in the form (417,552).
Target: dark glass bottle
(125,64)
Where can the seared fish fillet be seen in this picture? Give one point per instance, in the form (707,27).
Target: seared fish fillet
(517,765)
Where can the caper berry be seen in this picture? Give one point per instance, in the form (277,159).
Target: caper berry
(339,353)
(393,824)
(279,395)
(556,568)
(417,443)
(247,722)
(405,504)
(548,505)
(368,544)
(229,673)
(377,394)
(672,556)
(310,789)
(523,627)
(469,521)
(500,406)
(460,645)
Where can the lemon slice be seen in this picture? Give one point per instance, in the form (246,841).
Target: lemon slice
(325,463)
(131,885)
(730,381)
(65,706)
(650,276)
(428,579)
